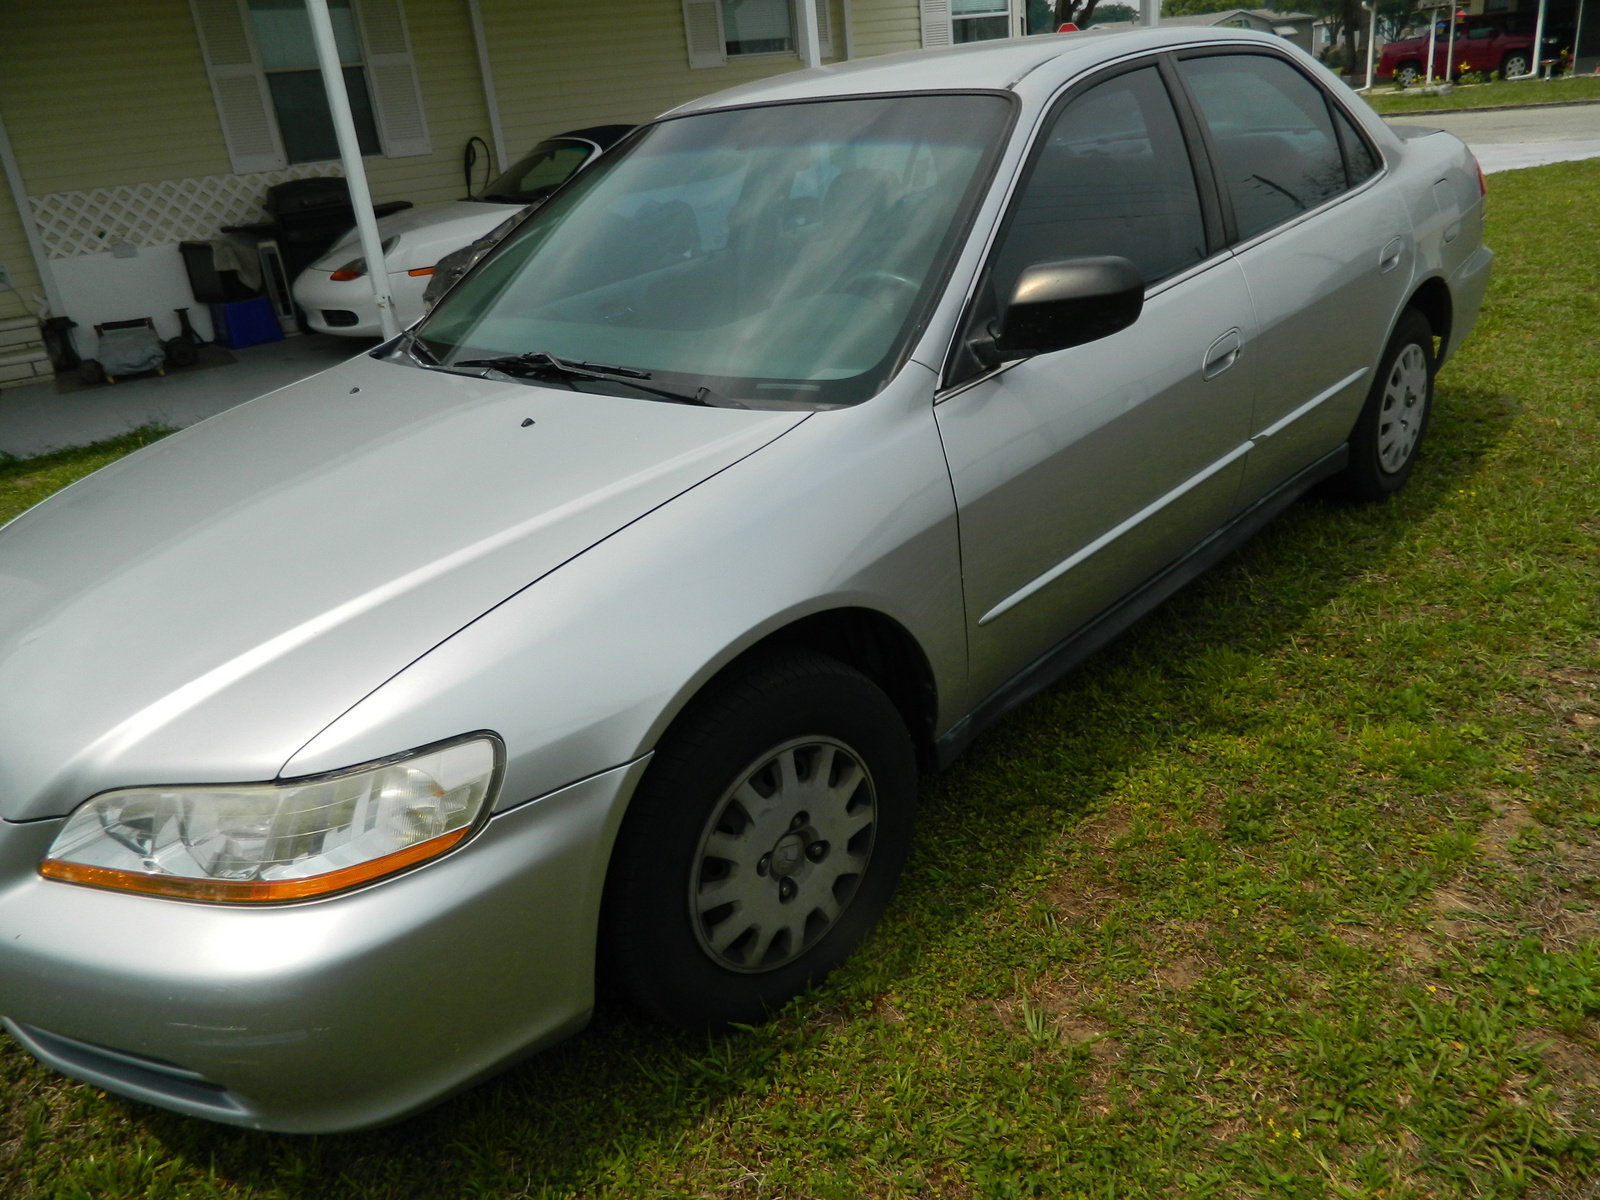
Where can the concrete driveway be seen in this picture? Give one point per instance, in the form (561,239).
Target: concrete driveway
(1509,139)
(37,418)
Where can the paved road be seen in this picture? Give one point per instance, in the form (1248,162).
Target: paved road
(1505,140)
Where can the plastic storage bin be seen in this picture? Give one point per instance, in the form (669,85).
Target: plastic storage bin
(245,323)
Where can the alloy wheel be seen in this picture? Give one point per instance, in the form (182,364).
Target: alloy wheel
(1401,413)
(782,854)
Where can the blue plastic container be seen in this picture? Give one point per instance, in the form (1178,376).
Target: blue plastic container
(245,323)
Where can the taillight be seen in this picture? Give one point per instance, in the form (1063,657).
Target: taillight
(1483,184)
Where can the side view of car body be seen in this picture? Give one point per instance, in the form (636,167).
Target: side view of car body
(334,293)
(1491,45)
(605,620)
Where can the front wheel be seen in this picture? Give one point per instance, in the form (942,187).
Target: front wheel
(763,844)
(1407,73)
(1389,431)
(1513,65)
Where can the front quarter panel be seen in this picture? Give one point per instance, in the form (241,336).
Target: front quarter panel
(585,669)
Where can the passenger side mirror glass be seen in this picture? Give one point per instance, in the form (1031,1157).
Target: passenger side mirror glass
(1067,303)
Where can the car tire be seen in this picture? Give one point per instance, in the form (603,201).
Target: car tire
(763,844)
(1389,432)
(1407,73)
(1514,64)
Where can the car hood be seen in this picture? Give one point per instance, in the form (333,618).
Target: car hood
(199,610)
(422,231)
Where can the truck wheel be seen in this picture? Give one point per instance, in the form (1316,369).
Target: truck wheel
(1407,73)
(1515,63)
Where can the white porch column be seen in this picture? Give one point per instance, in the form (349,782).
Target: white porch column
(355,174)
(30,231)
(805,12)
(489,99)
(1150,12)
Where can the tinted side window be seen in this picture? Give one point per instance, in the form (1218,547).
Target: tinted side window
(1359,160)
(1277,150)
(1113,177)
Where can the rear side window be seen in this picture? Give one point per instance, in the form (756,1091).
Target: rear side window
(1359,160)
(1113,177)
(1277,150)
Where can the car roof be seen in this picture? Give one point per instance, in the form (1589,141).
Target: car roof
(1011,64)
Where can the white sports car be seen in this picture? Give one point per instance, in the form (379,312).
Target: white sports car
(334,293)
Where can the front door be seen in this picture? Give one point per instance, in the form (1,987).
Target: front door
(1080,473)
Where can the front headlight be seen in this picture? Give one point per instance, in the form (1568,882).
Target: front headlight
(357,267)
(279,841)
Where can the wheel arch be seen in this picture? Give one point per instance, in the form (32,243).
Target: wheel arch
(1432,300)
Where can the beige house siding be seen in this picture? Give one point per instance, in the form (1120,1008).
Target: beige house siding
(626,63)
(886,28)
(125,99)
(98,93)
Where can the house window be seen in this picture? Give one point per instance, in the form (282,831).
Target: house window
(757,27)
(289,58)
(979,20)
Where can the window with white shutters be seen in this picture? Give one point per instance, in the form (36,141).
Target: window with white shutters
(396,99)
(238,86)
(269,91)
(935,23)
(702,28)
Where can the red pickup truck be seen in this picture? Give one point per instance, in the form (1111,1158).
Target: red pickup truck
(1502,44)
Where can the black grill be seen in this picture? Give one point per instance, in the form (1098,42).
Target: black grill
(339,317)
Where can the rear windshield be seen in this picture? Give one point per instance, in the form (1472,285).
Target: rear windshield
(783,253)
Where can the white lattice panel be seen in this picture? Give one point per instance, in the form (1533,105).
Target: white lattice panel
(157,214)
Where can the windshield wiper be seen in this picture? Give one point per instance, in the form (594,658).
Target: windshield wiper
(540,363)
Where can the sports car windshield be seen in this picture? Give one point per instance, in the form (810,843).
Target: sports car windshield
(783,253)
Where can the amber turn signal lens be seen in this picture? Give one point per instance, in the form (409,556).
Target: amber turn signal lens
(421,271)
(345,276)
(255,891)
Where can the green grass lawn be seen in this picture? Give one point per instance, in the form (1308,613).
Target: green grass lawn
(1498,94)
(1294,892)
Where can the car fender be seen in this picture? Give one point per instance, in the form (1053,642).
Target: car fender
(585,669)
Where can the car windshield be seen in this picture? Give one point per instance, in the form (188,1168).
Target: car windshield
(781,253)
(539,172)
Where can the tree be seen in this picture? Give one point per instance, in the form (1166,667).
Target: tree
(1074,12)
(1185,8)
(1108,13)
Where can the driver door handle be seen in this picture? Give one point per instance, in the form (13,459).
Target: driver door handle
(1223,354)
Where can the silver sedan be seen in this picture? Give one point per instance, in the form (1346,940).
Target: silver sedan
(604,621)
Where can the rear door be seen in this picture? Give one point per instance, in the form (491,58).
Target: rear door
(1080,473)
(1324,244)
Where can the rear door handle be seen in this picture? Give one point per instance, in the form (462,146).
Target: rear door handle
(1223,354)
(1390,258)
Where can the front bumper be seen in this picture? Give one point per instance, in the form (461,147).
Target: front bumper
(324,300)
(332,1015)
(1467,287)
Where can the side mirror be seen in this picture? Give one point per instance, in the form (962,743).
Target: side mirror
(1067,303)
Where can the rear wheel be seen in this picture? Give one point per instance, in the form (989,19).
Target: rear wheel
(1514,64)
(1389,431)
(1407,73)
(762,845)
